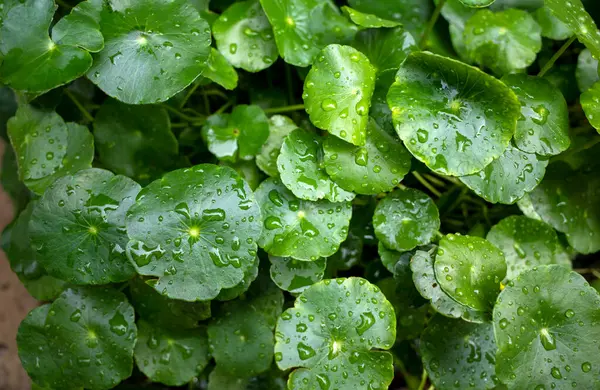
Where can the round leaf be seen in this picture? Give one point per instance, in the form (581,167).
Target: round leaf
(451,116)
(379,166)
(279,128)
(220,71)
(552,27)
(80,27)
(301,168)
(135,141)
(459,354)
(227,294)
(300,229)
(590,101)
(367,20)
(506,41)
(239,135)
(411,312)
(296,276)
(587,70)
(195,231)
(573,14)
(470,269)
(48,148)
(509,177)
(385,48)
(147,56)
(526,243)
(477,3)
(337,92)
(171,357)
(303,27)
(413,14)
(547,327)
(78,227)
(405,219)
(245,37)
(336,323)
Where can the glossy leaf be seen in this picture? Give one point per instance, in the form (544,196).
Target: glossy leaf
(301,168)
(590,101)
(526,243)
(506,41)
(78,227)
(250,274)
(405,219)
(300,229)
(413,14)
(451,116)
(279,128)
(470,269)
(573,14)
(80,27)
(47,148)
(477,3)
(135,141)
(385,48)
(245,37)
(337,323)
(367,20)
(219,70)
(296,276)
(337,92)
(587,70)
(552,27)
(149,62)
(547,329)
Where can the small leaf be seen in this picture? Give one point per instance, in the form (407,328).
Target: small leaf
(47,148)
(477,3)
(526,243)
(220,71)
(405,219)
(385,48)
(300,229)
(296,276)
(552,27)
(245,37)
(587,70)
(470,269)
(250,274)
(302,170)
(590,101)
(171,357)
(573,14)
(337,323)
(367,20)
(413,14)
(279,128)
(80,27)
(78,227)
(546,327)
(451,116)
(337,92)
(506,41)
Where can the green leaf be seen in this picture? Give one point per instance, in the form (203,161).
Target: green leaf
(337,323)
(337,92)
(389,257)
(78,227)
(385,48)
(279,128)
(380,111)
(165,312)
(84,339)
(451,116)
(552,27)
(135,141)
(297,228)
(195,231)
(587,70)
(220,71)
(470,269)
(349,254)
(296,276)
(547,329)
(413,14)
(590,101)
(477,3)
(8,108)
(171,357)
(220,379)
(526,243)
(47,148)
(31,60)
(509,177)
(303,27)
(573,14)
(250,274)
(459,354)
(543,127)
(10,181)
(239,135)
(405,219)
(300,164)
(245,37)
(506,41)
(147,56)
(367,20)
(456,13)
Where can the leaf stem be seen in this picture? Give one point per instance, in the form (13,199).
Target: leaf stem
(431,23)
(591,143)
(426,184)
(181,114)
(224,107)
(80,106)
(423,380)
(189,95)
(556,55)
(279,110)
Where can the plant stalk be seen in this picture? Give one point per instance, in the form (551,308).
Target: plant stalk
(556,56)
(426,184)
(80,106)
(279,110)
(431,23)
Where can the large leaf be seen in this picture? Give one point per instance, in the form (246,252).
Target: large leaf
(590,101)
(451,116)
(573,14)
(385,48)
(296,276)
(337,323)
(78,227)
(47,148)
(195,231)
(152,49)
(547,326)
(300,229)
(279,128)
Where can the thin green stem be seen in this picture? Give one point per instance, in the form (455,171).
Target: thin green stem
(423,380)
(80,106)
(426,184)
(432,387)
(556,55)
(591,143)
(431,23)
(279,110)
(439,235)
(224,107)
(181,114)
(596,273)
(206,102)
(63,4)
(189,94)
(434,180)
